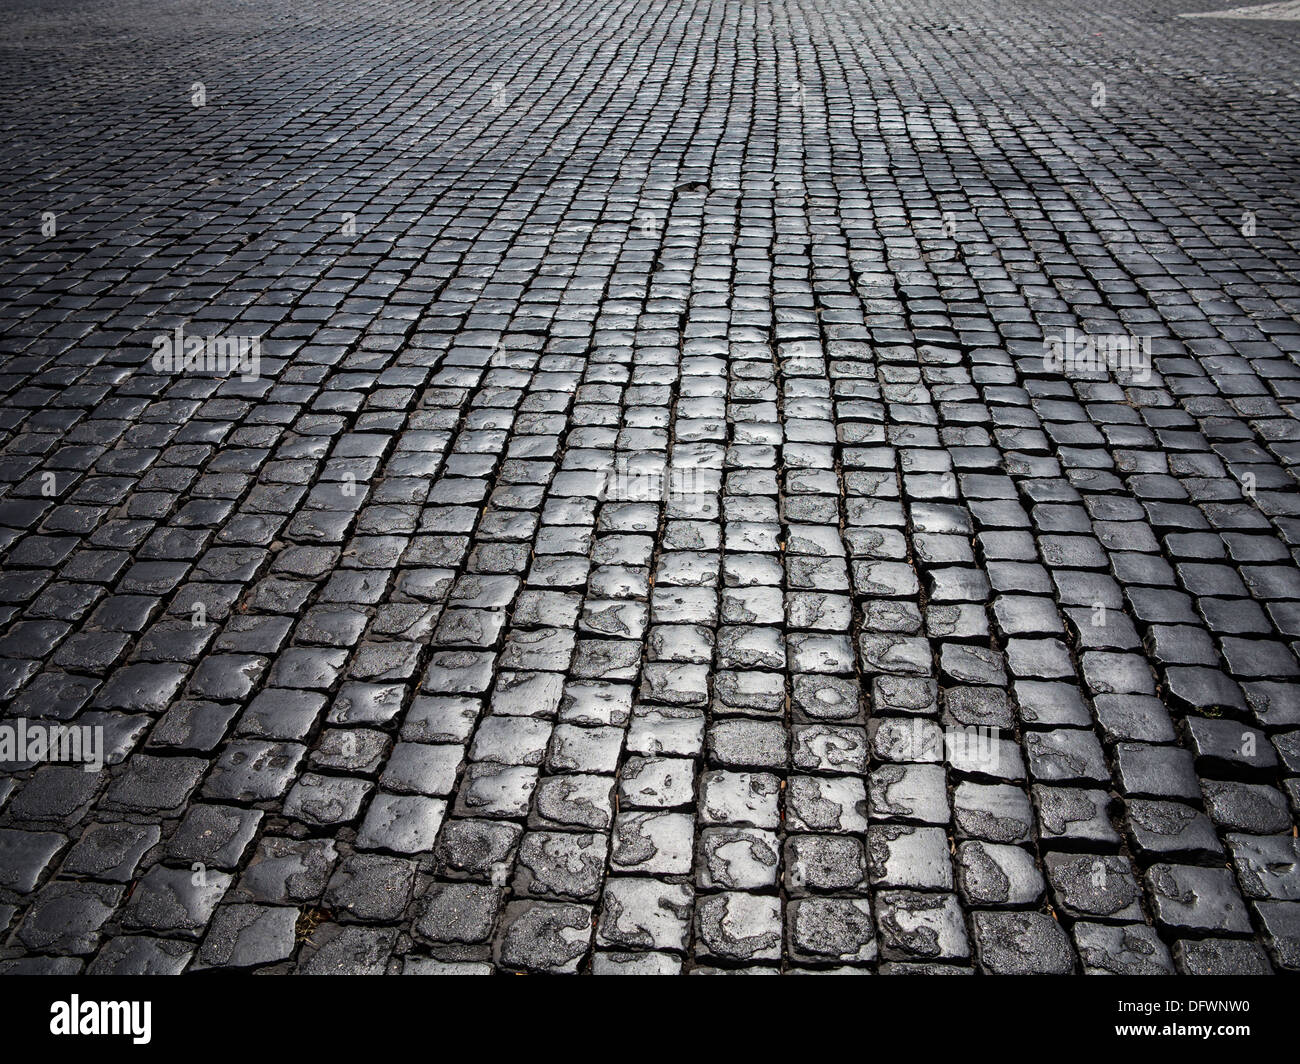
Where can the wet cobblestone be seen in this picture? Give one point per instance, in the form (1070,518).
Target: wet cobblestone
(662,518)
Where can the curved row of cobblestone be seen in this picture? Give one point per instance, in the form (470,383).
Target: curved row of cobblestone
(649,487)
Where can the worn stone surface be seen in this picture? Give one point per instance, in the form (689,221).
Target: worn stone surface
(702,486)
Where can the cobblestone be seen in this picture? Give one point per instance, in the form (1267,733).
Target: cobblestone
(691,486)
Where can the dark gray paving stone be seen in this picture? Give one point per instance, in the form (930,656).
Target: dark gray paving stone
(1022,943)
(993,874)
(1201,899)
(744,523)
(1122,949)
(249,936)
(918,926)
(458,913)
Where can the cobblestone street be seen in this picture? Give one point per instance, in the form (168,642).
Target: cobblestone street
(649,486)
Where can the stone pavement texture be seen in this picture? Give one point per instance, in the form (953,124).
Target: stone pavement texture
(1286,10)
(653,535)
